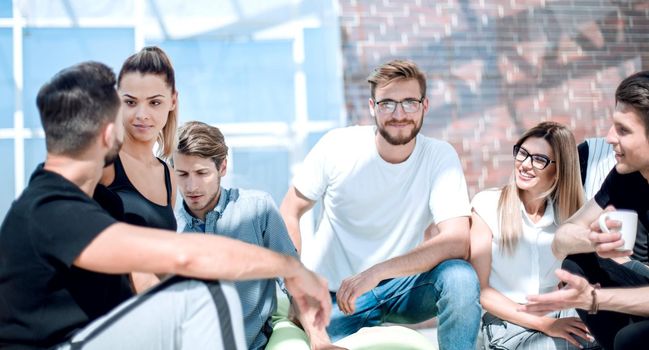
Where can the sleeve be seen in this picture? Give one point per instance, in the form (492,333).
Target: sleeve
(275,234)
(449,197)
(603,196)
(312,177)
(478,203)
(67,226)
(485,204)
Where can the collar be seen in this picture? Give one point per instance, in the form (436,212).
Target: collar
(212,215)
(547,219)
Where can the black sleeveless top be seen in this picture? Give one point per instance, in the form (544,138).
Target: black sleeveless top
(138,210)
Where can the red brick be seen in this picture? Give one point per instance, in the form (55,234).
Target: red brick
(500,68)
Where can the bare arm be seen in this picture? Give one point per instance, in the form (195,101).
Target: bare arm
(496,303)
(451,242)
(572,236)
(294,205)
(634,301)
(491,299)
(123,248)
(578,294)
(318,337)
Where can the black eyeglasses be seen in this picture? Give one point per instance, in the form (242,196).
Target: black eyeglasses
(409,105)
(539,161)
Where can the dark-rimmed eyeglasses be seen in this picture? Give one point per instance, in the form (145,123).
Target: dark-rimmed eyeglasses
(409,105)
(539,161)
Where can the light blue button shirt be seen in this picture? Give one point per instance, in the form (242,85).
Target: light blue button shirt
(250,216)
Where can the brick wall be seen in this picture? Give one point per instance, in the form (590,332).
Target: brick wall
(496,68)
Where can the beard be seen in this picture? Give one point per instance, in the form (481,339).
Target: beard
(398,140)
(111,156)
(210,204)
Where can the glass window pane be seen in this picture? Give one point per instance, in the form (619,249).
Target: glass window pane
(63,47)
(6,79)
(264,169)
(5,8)
(34,154)
(7,178)
(80,10)
(238,82)
(312,139)
(323,75)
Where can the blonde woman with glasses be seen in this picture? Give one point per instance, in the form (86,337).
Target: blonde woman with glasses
(511,236)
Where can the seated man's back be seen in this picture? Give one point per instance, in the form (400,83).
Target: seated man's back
(43,233)
(63,258)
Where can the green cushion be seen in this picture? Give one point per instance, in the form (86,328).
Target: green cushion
(287,335)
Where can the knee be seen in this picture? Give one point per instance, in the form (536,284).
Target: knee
(458,279)
(573,263)
(631,336)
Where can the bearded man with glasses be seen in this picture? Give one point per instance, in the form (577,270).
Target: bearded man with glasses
(382,187)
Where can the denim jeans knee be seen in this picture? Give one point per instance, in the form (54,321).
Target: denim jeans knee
(458,303)
(450,291)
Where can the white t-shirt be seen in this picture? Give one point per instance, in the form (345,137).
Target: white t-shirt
(530,269)
(374,210)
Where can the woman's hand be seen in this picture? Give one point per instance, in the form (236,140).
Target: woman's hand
(566,328)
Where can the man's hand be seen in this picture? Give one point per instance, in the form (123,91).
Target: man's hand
(327,347)
(576,294)
(321,341)
(606,244)
(309,291)
(353,287)
(318,337)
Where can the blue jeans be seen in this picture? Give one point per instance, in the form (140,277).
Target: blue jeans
(450,291)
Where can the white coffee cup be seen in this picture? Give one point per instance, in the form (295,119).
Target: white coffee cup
(629,221)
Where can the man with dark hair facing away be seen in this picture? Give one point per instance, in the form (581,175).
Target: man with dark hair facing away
(64,260)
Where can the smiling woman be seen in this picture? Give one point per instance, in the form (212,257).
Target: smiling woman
(511,235)
(146,86)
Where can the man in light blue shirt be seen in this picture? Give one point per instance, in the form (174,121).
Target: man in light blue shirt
(251,216)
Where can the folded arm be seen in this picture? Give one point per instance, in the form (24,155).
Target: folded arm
(452,242)
(582,234)
(572,236)
(578,293)
(499,305)
(123,248)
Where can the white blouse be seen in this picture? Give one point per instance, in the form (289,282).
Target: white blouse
(530,269)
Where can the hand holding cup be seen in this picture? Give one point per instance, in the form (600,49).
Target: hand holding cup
(618,233)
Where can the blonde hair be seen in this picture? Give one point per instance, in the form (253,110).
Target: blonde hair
(396,70)
(152,60)
(566,191)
